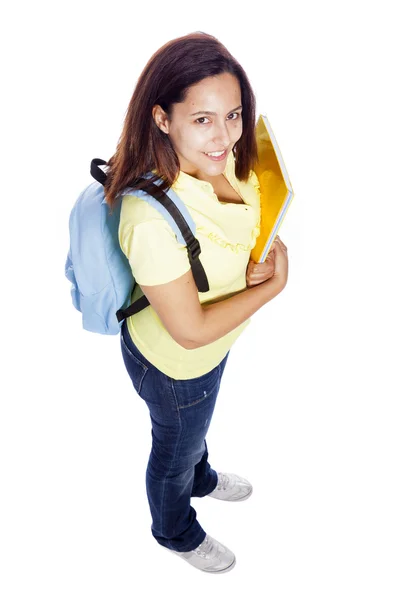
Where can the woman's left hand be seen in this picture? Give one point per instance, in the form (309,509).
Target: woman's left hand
(259,272)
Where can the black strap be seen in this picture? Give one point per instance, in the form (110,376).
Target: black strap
(134,308)
(192,244)
(96,173)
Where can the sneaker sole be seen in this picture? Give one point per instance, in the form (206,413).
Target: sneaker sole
(222,570)
(236,500)
(229,568)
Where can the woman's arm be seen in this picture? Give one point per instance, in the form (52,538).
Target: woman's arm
(222,317)
(192,324)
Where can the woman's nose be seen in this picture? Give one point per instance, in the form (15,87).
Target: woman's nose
(222,135)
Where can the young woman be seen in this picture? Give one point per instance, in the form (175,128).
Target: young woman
(191,122)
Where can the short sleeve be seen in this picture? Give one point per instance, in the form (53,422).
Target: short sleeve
(153,252)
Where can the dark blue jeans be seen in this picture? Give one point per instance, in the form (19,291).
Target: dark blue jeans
(178,468)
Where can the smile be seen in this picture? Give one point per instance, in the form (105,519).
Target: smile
(216,155)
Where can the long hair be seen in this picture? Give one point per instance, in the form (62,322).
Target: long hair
(165,80)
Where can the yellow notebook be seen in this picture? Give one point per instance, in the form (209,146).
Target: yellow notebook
(275,187)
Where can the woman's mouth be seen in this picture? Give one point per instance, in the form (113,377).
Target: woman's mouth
(216,156)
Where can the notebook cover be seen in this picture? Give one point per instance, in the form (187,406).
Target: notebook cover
(275,187)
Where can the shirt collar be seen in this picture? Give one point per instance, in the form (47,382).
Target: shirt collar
(184,180)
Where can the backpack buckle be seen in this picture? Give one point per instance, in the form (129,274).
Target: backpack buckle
(194,248)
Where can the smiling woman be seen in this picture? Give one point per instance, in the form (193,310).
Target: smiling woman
(190,126)
(202,144)
(216,116)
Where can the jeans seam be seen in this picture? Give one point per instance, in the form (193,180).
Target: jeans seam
(178,446)
(134,358)
(145,367)
(175,400)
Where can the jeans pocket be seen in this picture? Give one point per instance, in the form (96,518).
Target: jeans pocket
(136,368)
(189,392)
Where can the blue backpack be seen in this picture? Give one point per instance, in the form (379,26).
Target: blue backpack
(100,274)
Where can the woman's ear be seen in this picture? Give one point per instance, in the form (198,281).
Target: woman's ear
(161,118)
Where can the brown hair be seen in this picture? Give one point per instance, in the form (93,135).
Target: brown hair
(165,80)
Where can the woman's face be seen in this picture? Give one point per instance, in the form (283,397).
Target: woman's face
(209,120)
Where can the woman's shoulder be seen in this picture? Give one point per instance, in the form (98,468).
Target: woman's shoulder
(135,210)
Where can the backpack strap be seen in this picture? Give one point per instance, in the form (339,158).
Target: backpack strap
(192,244)
(96,173)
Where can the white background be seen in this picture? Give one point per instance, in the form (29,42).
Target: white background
(309,403)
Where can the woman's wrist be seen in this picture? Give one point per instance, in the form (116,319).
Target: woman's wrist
(273,284)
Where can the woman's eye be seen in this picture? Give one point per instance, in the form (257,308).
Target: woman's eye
(235,115)
(199,119)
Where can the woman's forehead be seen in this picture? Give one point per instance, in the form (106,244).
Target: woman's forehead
(213,96)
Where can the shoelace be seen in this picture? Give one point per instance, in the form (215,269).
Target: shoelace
(205,548)
(223,481)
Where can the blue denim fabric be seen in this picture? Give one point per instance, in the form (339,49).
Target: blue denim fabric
(178,468)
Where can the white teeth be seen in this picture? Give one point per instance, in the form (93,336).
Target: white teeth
(215,153)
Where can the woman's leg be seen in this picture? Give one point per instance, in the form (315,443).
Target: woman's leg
(203,476)
(169,483)
(203,472)
(180,412)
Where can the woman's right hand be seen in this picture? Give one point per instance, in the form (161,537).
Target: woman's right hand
(281,263)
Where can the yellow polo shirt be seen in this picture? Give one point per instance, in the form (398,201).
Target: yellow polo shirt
(226,232)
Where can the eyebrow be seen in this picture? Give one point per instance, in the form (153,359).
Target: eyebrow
(208,112)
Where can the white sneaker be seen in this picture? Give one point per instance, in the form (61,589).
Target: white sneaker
(232,487)
(210,556)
